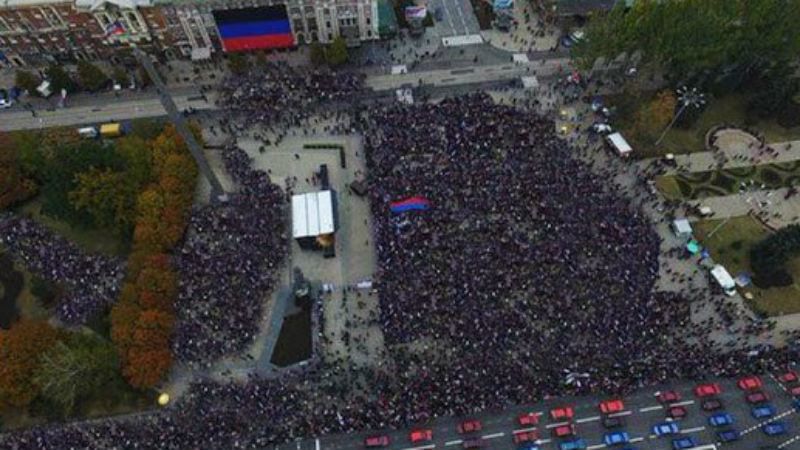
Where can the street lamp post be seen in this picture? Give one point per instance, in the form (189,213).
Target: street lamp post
(686,98)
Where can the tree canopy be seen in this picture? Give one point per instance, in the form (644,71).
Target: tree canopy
(91,77)
(687,37)
(21,348)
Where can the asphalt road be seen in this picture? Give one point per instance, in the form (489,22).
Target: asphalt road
(458,18)
(642,412)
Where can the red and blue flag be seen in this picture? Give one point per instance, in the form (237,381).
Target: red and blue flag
(254,28)
(410,204)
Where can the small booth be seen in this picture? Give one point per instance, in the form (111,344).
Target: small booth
(682,227)
(619,144)
(313,219)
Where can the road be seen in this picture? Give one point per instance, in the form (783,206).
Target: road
(642,411)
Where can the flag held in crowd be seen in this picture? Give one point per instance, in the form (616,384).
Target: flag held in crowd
(410,204)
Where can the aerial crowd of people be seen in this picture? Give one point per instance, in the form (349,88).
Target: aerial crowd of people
(91,282)
(523,277)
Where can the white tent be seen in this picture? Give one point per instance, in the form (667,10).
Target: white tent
(619,143)
(312,214)
(682,227)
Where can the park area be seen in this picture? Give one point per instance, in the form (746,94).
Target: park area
(729,241)
(716,183)
(67,352)
(642,123)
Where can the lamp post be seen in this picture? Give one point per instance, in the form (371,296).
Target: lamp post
(686,98)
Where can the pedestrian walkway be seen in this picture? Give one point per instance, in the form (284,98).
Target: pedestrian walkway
(530,34)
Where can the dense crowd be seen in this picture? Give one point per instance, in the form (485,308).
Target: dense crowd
(229,264)
(279,92)
(524,268)
(91,282)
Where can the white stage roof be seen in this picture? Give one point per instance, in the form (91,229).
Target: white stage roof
(312,214)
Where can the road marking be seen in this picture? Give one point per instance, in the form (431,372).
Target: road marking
(592,447)
(621,414)
(588,419)
(651,408)
(456,442)
(524,430)
(424,447)
(317,444)
(771,419)
(775,379)
(543,441)
(789,442)
(638,439)
(495,435)
(683,403)
(692,430)
(558,424)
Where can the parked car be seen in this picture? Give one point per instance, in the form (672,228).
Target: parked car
(774,428)
(750,383)
(666,429)
(376,441)
(728,435)
(421,435)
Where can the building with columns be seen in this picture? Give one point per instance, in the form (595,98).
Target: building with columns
(40,32)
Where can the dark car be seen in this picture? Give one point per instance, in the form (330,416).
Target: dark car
(676,412)
(613,422)
(711,404)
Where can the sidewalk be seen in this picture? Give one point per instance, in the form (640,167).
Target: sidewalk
(526,36)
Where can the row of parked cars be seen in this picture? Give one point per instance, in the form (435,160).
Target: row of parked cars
(613,412)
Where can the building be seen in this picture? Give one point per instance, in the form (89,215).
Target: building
(39,32)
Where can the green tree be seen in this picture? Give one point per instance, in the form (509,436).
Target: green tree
(238,63)
(336,54)
(108,196)
(27,81)
(91,77)
(59,79)
(316,54)
(76,368)
(691,37)
(60,178)
(120,76)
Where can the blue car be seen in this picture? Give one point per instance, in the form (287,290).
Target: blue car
(774,428)
(684,443)
(529,446)
(574,444)
(728,435)
(616,438)
(796,404)
(666,429)
(720,420)
(762,412)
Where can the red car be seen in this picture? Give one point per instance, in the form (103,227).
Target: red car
(756,397)
(376,441)
(676,412)
(525,436)
(563,413)
(421,435)
(707,390)
(564,431)
(668,397)
(788,377)
(612,406)
(795,391)
(749,383)
(470,426)
(529,419)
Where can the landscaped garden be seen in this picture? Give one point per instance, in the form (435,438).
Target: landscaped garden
(715,183)
(731,244)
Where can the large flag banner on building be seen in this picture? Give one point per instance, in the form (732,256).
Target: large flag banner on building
(416,12)
(115,29)
(254,28)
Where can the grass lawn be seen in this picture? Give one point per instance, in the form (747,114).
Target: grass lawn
(668,186)
(730,246)
(91,240)
(727,109)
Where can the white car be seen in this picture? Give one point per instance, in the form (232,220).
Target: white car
(5,103)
